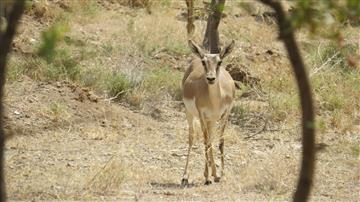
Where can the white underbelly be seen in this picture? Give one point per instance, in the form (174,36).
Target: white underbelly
(208,113)
(214,114)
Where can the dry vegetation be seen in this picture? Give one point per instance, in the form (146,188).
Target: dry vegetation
(97,115)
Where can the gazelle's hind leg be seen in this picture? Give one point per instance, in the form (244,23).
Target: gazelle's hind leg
(223,124)
(190,119)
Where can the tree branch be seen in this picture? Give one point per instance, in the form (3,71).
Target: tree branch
(6,38)
(308,137)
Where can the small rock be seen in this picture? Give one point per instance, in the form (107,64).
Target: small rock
(270,52)
(58,84)
(156,113)
(92,97)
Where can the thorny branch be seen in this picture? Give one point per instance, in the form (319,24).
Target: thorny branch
(308,152)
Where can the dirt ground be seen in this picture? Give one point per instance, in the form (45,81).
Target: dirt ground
(66,143)
(102,151)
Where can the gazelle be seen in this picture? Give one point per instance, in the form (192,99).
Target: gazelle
(208,92)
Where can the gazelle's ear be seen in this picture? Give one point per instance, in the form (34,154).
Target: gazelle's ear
(196,49)
(227,50)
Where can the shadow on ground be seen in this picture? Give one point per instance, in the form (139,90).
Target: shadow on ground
(160,185)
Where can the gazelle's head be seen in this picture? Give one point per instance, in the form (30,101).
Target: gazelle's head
(211,62)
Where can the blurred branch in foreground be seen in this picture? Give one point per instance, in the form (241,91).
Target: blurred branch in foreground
(6,38)
(308,137)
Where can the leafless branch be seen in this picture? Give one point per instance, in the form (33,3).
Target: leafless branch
(116,96)
(6,38)
(323,65)
(308,152)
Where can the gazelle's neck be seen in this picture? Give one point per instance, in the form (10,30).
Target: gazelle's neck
(214,92)
(213,88)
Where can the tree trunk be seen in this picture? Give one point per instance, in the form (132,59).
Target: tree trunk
(2,15)
(190,27)
(211,37)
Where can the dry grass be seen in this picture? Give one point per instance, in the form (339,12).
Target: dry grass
(107,178)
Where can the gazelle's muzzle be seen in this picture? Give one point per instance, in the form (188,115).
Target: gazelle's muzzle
(211,80)
(211,77)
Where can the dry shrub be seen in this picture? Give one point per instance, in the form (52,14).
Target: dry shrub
(109,178)
(146,4)
(42,10)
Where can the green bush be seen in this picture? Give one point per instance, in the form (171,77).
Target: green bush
(49,40)
(117,84)
(239,112)
(163,80)
(93,78)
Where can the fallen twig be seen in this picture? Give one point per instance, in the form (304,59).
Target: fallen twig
(116,96)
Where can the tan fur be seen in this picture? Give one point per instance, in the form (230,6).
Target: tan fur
(211,97)
(208,102)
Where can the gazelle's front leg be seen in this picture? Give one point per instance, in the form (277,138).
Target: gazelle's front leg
(190,119)
(210,128)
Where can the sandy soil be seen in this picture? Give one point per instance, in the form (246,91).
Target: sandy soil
(100,151)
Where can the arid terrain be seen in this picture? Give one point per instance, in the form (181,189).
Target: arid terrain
(73,136)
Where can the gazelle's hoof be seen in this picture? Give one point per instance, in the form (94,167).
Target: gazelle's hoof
(217,179)
(184,182)
(208,182)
